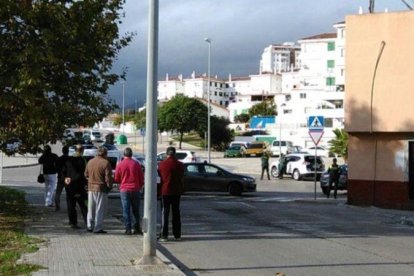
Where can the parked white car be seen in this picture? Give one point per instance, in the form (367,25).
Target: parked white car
(185,156)
(299,165)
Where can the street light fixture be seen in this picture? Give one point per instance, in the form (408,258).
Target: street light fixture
(208,40)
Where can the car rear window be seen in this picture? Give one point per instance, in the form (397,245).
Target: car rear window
(311,159)
(181,155)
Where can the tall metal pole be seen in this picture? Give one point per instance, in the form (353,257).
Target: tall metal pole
(208,40)
(123,106)
(149,221)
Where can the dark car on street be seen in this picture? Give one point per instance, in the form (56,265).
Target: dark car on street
(342,183)
(206,177)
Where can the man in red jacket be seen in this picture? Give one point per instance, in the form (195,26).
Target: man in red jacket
(171,172)
(131,178)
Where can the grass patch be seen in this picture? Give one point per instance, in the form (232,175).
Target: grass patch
(13,241)
(191,138)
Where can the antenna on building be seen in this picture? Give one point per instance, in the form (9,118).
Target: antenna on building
(371,6)
(408,6)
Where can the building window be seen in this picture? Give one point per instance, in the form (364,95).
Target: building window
(331,46)
(302,95)
(215,93)
(342,52)
(330,63)
(221,103)
(330,81)
(328,122)
(220,94)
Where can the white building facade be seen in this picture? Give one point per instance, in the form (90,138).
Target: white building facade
(277,58)
(304,80)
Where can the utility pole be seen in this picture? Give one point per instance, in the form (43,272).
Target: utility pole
(149,221)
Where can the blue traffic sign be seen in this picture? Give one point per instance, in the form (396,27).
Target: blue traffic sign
(316,122)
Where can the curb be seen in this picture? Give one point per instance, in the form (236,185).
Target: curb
(20,166)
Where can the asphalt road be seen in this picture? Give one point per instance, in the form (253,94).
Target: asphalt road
(281,228)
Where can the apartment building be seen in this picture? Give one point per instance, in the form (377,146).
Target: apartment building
(277,58)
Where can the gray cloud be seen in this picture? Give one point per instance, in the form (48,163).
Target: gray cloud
(239,29)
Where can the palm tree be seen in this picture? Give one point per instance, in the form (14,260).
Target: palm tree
(339,145)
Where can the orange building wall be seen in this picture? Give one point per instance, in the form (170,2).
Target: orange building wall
(392,97)
(379,115)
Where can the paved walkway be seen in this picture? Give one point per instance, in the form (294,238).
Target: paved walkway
(69,251)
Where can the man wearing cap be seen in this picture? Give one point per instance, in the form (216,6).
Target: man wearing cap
(171,172)
(131,178)
(99,174)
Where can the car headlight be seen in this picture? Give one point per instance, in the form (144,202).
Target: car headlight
(248,179)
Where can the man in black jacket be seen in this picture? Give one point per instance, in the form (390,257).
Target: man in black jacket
(75,186)
(60,178)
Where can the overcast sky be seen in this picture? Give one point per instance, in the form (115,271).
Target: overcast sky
(239,30)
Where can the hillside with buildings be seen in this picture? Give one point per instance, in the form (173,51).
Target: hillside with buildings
(304,79)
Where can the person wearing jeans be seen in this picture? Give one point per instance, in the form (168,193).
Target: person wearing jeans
(49,162)
(131,178)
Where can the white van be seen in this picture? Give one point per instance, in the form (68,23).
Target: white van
(277,147)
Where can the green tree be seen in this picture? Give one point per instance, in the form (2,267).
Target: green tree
(182,114)
(242,118)
(339,145)
(221,135)
(264,108)
(56,59)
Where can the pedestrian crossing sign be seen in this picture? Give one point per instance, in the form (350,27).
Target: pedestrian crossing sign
(315,122)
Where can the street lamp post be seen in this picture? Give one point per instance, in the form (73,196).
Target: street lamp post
(123,106)
(208,40)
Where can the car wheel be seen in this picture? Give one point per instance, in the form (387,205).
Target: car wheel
(296,175)
(274,172)
(235,189)
(324,190)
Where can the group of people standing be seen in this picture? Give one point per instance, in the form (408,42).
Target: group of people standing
(88,183)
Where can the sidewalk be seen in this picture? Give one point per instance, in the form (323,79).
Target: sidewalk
(67,251)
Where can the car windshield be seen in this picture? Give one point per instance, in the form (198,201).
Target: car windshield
(255,146)
(234,147)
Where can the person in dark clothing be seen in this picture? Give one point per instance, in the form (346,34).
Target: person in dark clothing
(60,178)
(49,160)
(333,177)
(75,186)
(171,172)
(282,166)
(265,164)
